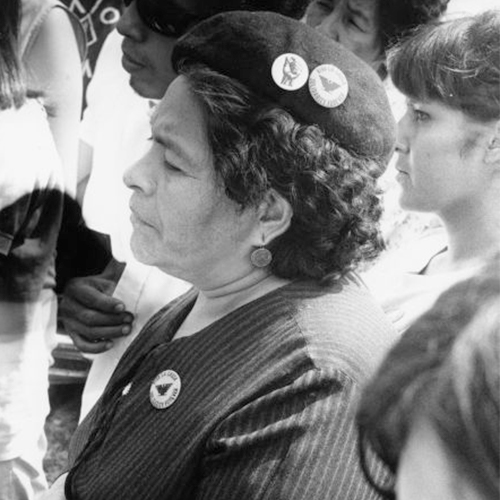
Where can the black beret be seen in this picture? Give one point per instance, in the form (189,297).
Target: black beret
(315,79)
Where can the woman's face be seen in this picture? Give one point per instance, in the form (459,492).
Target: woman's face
(145,55)
(182,220)
(440,161)
(353,23)
(426,470)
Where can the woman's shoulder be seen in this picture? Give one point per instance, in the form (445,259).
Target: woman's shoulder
(342,326)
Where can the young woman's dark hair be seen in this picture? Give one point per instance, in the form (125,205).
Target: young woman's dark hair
(12,89)
(456,64)
(332,229)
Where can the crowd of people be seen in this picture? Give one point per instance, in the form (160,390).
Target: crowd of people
(207,219)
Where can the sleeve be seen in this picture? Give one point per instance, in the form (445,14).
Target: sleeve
(16,193)
(13,220)
(294,443)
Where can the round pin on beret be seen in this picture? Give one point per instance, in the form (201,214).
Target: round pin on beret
(165,389)
(328,85)
(263,51)
(289,71)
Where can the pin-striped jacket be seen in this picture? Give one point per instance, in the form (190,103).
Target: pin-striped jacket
(262,406)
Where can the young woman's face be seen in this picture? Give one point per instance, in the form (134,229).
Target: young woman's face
(182,219)
(440,158)
(427,471)
(353,23)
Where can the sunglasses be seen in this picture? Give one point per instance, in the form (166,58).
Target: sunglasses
(165,17)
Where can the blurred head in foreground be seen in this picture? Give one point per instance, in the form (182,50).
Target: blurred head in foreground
(432,412)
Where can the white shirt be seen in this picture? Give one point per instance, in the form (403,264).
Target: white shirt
(28,164)
(397,282)
(116,125)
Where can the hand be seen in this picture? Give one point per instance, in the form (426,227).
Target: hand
(56,491)
(91,316)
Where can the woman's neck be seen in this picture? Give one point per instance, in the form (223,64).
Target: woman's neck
(215,303)
(473,233)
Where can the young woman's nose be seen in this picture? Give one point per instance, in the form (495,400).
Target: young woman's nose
(402,145)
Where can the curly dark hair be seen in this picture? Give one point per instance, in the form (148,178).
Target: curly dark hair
(456,63)
(398,18)
(333,193)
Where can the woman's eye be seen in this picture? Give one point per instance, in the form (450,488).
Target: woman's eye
(353,22)
(171,167)
(326,6)
(420,116)
(416,114)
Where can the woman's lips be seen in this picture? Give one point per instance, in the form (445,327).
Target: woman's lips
(130,64)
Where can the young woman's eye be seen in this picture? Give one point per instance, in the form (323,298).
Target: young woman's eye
(420,116)
(417,115)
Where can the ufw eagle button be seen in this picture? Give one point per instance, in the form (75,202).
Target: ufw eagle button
(165,389)
(328,86)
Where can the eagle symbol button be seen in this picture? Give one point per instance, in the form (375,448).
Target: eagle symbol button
(165,389)
(328,86)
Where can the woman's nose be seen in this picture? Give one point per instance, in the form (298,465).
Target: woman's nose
(330,25)
(139,176)
(130,24)
(402,145)
(402,148)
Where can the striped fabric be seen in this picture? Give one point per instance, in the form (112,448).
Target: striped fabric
(265,408)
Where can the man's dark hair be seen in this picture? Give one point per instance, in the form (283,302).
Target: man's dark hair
(290,8)
(398,17)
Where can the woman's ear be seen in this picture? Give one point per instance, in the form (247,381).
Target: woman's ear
(492,154)
(275,215)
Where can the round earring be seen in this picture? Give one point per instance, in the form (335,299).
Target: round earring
(261,257)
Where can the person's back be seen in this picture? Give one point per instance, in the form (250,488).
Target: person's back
(31,201)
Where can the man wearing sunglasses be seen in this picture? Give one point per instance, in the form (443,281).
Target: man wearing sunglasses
(103,313)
